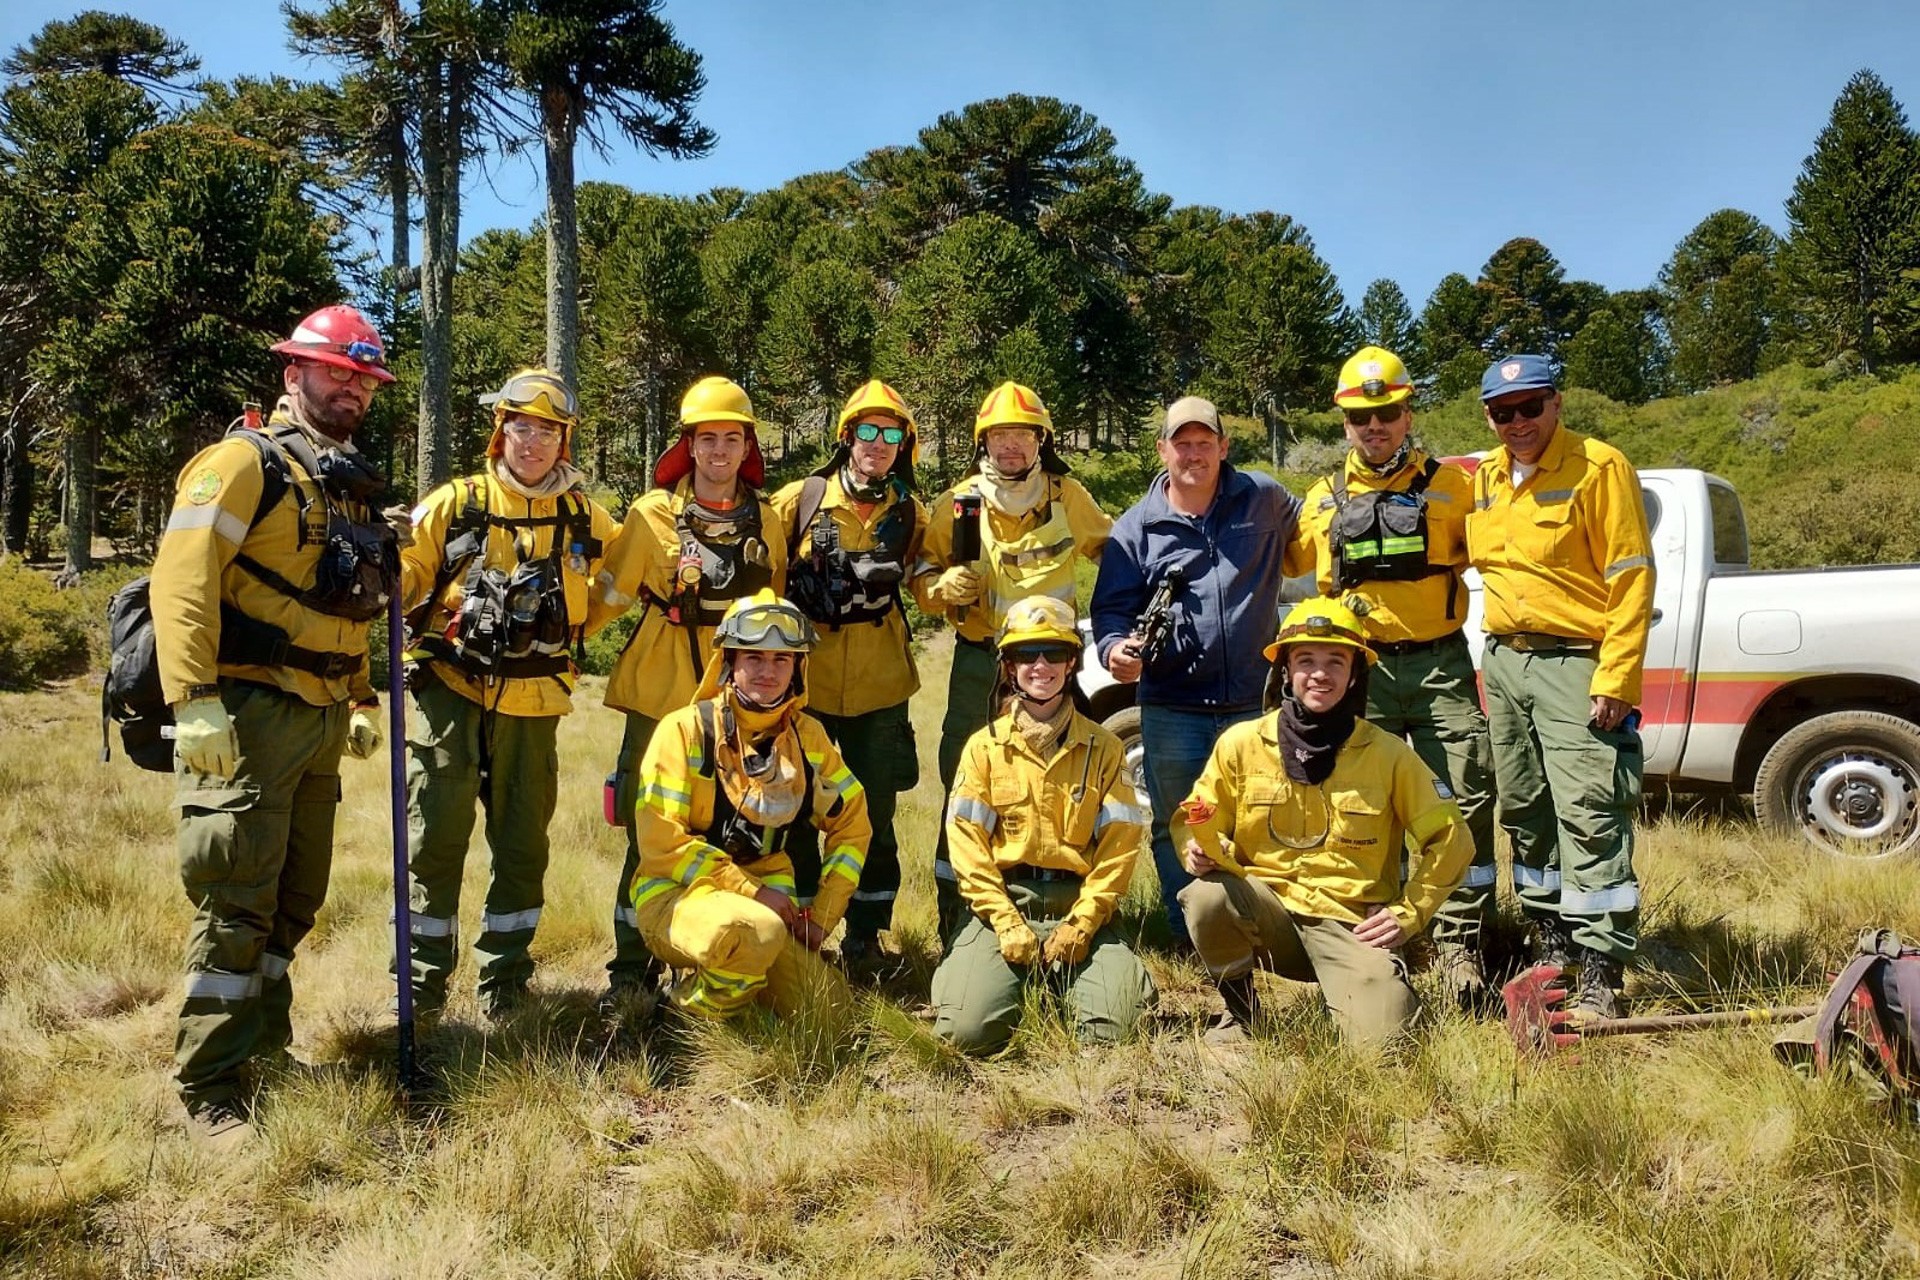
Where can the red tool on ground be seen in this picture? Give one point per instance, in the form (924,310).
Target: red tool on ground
(1539,1025)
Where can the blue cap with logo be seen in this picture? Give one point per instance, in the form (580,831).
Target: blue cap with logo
(1516,373)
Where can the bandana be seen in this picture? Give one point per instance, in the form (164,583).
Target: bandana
(1309,740)
(757,760)
(1042,734)
(1012,495)
(1393,464)
(563,477)
(875,492)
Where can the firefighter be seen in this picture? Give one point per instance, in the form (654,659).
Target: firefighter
(1034,525)
(1559,534)
(273,564)
(722,785)
(1386,534)
(853,529)
(1295,831)
(703,537)
(498,584)
(1044,833)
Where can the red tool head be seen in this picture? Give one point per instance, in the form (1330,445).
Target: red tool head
(1535,1019)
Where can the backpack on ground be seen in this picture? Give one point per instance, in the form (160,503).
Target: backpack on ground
(1867,1025)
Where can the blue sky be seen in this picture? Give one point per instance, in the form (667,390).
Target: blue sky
(1412,141)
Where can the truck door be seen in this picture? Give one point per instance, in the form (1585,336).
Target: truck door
(1666,686)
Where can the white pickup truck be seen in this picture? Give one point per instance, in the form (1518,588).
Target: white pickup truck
(1801,686)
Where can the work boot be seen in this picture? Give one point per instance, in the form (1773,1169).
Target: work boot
(1463,976)
(500,1004)
(1552,942)
(1598,995)
(1243,1010)
(866,963)
(221,1124)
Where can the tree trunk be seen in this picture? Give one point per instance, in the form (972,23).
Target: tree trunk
(1276,431)
(558,126)
(82,438)
(19,486)
(442,121)
(400,190)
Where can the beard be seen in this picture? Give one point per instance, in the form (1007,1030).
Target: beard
(334,411)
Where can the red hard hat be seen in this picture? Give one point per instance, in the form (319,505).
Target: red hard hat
(339,335)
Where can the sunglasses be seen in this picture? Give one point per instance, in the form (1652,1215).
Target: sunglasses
(366,381)
(1058,655)
(868,432)
(535,431)
(1386,415)
(1502,414)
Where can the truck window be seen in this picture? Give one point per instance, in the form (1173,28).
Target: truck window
(1651,502)
(1729,526)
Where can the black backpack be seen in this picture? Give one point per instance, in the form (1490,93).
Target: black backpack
(131,695)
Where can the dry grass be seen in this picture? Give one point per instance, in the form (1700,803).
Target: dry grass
(855,1144)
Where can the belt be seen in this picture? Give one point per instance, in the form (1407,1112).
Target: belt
(1394,648)
(1041,875)
(1540,642)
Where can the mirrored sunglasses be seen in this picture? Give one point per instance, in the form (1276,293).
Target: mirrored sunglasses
(868,432)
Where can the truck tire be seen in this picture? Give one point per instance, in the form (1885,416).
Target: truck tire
(1124,724)
(1848,781)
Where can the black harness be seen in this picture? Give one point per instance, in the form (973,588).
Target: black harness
(1381,536)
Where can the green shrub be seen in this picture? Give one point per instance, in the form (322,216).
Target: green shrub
(604,649)
(43,631)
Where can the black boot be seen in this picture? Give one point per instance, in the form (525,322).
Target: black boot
(1598,995)
(1243,1010)
(1552,942)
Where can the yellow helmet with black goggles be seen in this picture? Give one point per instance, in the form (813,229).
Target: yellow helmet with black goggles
(538,393)
(765,622)
(1321,621)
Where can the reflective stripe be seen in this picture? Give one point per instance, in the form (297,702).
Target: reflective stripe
(1481,504)
(672,801)
(1622,897)
(223,522)
(844,862)
(841,780)
(510,921)
(211,984)
(1631,562)
(643,891)
(433,926)
(873,895)
(943,870)
(1116,811)
(627,915)
(694,863)
(273,967)
(1480,875)
(781,880)
(1554,495)
(975,811)
(1535,877)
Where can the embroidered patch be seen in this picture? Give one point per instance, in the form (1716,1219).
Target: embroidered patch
(204,487)
(1510,371)
(1441,789)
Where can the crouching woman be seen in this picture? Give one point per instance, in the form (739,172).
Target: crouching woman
(722,783)
(1295,831)
(1043,831)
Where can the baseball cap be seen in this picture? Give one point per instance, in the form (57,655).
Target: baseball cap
(1190,409)
(1516,373)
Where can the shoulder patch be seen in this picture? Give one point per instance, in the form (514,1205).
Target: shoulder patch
(204,487)
(1441,789)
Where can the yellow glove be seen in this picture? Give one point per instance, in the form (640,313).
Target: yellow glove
(400,520)
(1018,945)
(203,737)
(958,585)
(1068,944)
(363,732)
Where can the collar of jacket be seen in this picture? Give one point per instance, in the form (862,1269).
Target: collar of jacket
(1551,457)
(1079,732)
(1357,469)
(1155,506)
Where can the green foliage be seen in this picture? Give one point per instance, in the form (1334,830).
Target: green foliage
(1386,319)
(1620,350)
(1719,296)
(43,633)
(114,45)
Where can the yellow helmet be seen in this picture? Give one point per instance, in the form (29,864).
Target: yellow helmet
(1321,621)
(1372,378)
(1040,620)
(1012,405)
(766,622)
(537,392)
(715,399)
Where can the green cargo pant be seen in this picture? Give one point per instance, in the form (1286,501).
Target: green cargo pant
(1239,923)
(879,748)
(969,707)
(1568,795)
(632,964)
(457,753)
(977,994)
(255,854)
(1432,698)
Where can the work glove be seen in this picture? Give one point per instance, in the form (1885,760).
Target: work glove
(1018,945)
(400,520)
(959,585)
(203,737)
(1068,944)
(363,732)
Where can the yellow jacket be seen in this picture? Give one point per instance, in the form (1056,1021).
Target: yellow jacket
(863,666)
(505,549)
(1378,798)
(1087,524)
(1399,611)
(1072,812)
(675,812)
(1568,553)
(656,673)
(194,573)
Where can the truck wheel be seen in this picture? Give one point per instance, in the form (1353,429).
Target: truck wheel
(1849,781)
(1124,724)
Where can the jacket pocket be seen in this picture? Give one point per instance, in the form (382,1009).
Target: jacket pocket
(1358,827)
(1547,535)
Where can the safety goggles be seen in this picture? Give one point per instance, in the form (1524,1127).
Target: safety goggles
(1058,655)
(1502,414)
(1386,415)
(342,374)
(752,627)
(868,432)
(1318,628)
(530,390)
(543,432)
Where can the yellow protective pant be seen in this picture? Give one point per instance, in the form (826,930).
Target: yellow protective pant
(738,952)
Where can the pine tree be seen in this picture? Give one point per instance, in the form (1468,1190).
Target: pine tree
(1386,318)
(1718,298)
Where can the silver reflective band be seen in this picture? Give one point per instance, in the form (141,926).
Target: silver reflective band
(1536,878)
(211,984)
(1622,897)
(223,522)
(432,926)
(1480,876)
(944,871)
(973,811)
(273,967)
(1631,562)
(510,921)
(1118,811)
(873,895)
(1553,495)
(626,916)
